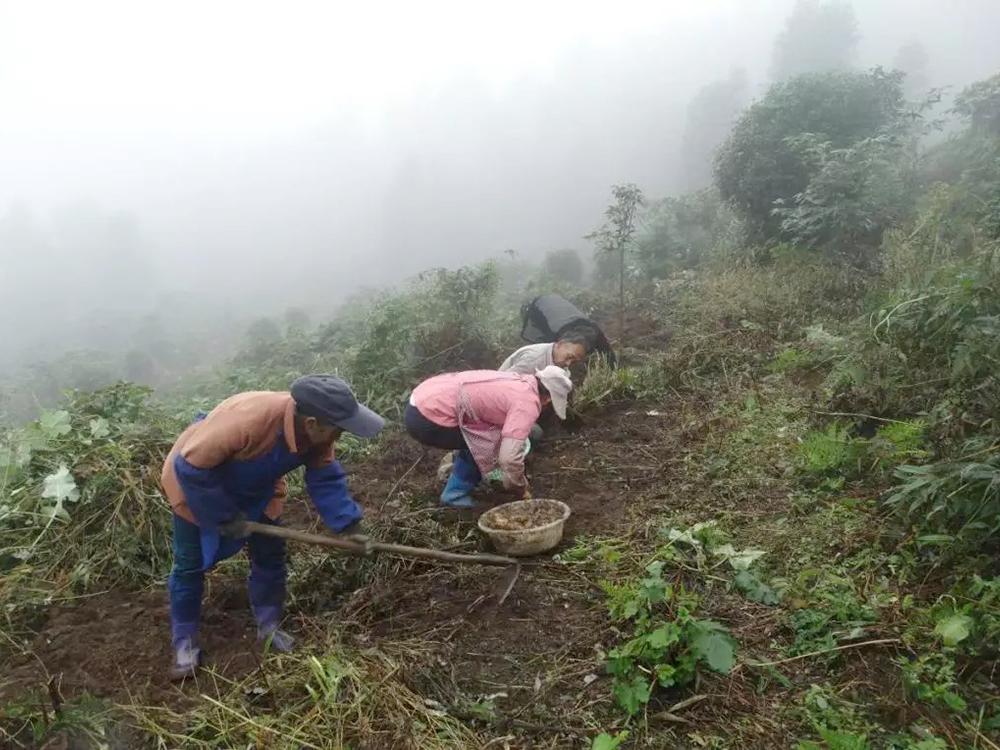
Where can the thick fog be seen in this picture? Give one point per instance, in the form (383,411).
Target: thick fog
(189,165)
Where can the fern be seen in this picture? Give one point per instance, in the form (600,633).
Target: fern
(824,452)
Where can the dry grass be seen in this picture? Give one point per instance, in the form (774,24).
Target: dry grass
(328,697)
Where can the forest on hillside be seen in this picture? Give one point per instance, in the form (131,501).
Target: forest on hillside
(786,493)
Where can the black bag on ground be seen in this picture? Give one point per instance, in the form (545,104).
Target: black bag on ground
(548,317)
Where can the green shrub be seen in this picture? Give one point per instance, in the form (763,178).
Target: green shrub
(759,165)
(960,499)
(441,321)
(855,194)
(780,299)
(81,502)
(931,350)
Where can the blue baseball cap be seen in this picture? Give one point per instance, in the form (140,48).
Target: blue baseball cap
(329,399)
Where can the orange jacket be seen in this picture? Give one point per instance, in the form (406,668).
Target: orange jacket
(244,428)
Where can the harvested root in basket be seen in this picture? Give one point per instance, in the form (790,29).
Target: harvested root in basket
(528,516)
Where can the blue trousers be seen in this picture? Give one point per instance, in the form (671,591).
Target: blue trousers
(266,582)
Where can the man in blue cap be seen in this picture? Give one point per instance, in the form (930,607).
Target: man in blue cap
(229,467)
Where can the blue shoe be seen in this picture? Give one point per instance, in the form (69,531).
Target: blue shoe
(187,659)
(457,498)
(464,478)
(275,639)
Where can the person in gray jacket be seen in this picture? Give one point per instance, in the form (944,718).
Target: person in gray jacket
(567,351)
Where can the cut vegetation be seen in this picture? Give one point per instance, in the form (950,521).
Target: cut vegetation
(785,502)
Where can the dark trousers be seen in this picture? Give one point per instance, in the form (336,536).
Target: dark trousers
(426,432)
(187,579)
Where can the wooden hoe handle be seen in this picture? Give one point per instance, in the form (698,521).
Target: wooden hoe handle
(355,546)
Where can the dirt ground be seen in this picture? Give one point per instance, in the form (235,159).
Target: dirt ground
(536,656)
(116,644)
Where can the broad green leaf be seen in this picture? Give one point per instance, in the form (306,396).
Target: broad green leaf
(55,423)
(632,694)
(60,487)
(953,629)
(617,664)
(754,589)
(844,740)
(655,568)
(663,636)
(954,701)
(99,427)
(713,644)
(631,609)
(741,559)
(654,589)
(724,550)
(605,741)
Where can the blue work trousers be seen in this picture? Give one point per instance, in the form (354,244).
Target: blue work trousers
(266,582)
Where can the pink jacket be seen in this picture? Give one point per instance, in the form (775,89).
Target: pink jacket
(506,400)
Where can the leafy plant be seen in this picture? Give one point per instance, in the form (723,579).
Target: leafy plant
(80,501)
(839,722)
(967,618)
(856,193)
(754,589)
(931,677)
(605,384)
(704,547)
(960,498)
(830,610)
(327,678)
(953,629)
(605,741)
(931,347)
(57,488)
(668,641)
(831,451)
(902,439)
(834,740)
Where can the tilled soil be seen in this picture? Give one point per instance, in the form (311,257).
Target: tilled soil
(537,652)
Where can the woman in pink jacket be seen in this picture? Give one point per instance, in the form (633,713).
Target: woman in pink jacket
(485,416)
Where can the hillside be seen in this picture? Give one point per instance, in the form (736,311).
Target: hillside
(785,500)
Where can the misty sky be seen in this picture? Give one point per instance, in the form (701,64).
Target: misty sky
(272,150)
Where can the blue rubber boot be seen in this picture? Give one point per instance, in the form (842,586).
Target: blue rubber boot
(266,583)
(464,478)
